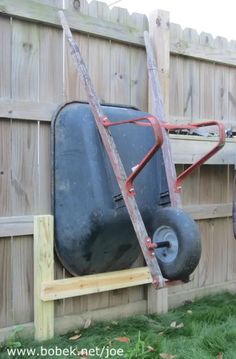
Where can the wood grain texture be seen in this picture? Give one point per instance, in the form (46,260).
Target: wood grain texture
(5,167)
(43,271)
(6,278)
(231,248)
(25,84)
(87,24)
(25,61)
(24,167)
(182,297)
(158,62)
(16,226)
(191,79)
(72,83)
(24,162)
(50,65)
(99,55)
(138,74)
(158,65)
(176,86)
(27,110)
(72,287)
(5,57)
(22,279)
(188,149)
(217,51)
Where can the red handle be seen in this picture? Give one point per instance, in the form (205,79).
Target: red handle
(208,155)
(156,126)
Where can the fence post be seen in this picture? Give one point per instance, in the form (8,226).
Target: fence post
(159,30)
(43,271)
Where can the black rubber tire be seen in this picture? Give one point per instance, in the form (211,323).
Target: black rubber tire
(189,243)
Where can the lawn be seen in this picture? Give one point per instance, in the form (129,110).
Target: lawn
(204,329)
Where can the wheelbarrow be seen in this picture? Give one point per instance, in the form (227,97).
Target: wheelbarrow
(93,229)
(99,210)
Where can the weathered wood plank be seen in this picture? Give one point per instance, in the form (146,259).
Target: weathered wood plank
(72,287)
(180,298)
(232,96)
(25,84)
(42,13)
(24,167)
(5,57)
(25,61)
(190,79)
(220,255)
(6,295)
(50,65)
(50,90)
(22,279)
(187,149)
(176,87)
(119,64)
(206,195)
(27,110)
(99,55)
(206,262)
(205,53)
(231,248)
(222,95)
(158,64)
(157,301)
(189,46)
(5,167)
(23,225)
(68,323)
(208,211)
(24,162)
(16,226)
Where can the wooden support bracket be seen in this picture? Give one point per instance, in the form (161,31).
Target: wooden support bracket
(43,271)
(95,283)
(46,289)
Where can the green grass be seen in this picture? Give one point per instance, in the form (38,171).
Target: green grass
(207,328)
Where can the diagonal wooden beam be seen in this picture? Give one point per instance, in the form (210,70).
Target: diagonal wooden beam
(114,157)
(159,111)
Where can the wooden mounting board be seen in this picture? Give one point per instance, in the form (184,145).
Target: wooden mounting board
(95,283)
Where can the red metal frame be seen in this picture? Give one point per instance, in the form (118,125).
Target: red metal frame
(156,126)
(204,158)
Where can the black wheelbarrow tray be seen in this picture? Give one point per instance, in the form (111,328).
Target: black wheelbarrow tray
(93,230)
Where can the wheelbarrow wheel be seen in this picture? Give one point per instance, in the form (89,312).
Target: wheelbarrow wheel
(180,254)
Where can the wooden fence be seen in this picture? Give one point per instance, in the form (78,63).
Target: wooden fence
(198,76)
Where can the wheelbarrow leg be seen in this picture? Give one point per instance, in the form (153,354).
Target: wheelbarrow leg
(108,142)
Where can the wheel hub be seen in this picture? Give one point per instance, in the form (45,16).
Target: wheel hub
(168,253)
